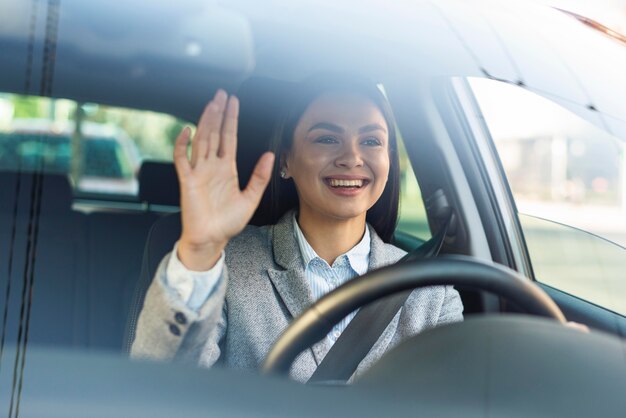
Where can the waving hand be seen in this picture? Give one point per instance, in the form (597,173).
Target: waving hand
(214,208)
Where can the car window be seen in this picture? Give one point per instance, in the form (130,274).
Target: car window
(568,179)
(104,158)
(412,218)
(45,134)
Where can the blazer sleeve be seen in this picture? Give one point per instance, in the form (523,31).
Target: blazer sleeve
(451,308)
(168,329)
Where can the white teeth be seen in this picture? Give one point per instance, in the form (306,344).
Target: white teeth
(346,183)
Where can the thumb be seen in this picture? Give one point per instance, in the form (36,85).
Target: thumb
(260,178)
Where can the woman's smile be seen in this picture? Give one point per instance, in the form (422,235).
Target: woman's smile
(346,185)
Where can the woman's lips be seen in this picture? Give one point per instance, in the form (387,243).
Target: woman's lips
(346,186)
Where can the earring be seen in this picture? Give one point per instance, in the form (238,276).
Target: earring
(283,174)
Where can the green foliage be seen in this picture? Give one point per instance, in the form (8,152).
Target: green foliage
(28,107)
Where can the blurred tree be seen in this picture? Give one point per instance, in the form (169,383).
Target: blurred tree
(28,107)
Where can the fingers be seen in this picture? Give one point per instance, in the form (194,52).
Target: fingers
(213,144)
(209,124)
(201,147)
(216,134)
(228,145)
(180,152)
(260,178)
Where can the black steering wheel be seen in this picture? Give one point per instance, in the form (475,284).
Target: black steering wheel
(317,321)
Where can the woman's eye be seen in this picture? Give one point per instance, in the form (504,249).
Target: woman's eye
(372,142)
(326,140)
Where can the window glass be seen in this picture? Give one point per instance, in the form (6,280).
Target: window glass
(412,219)
(568,178)
(39,133)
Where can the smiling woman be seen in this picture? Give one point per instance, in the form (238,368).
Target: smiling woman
(348,127)
(337,170)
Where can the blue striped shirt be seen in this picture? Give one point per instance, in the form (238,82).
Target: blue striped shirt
(323,278)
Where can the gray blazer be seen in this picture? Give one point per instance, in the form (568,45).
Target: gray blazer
(262,289)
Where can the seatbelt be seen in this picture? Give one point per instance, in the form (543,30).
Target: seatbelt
(369,323)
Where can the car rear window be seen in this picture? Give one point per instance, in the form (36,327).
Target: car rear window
(101,148)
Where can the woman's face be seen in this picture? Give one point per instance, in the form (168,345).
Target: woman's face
(339,159)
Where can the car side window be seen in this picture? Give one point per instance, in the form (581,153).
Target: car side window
(568,179)
(412,217)
(38,133)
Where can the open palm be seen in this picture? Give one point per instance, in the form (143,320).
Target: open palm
(214,208)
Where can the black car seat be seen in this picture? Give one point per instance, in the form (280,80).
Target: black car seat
(115,241)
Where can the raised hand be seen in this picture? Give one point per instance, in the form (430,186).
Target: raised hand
(214,209)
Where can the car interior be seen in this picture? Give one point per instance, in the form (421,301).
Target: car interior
(75,268)
(92,269)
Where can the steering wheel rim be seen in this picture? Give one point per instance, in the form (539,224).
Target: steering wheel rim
(317,321)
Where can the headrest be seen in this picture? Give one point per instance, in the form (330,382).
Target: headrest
(56,192)
(261,102)
(158,184)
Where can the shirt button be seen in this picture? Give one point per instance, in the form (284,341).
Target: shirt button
(175,330)
(180,318)
(336,334)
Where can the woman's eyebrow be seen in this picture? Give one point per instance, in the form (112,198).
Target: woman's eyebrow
(372,127)
(328,126)
(338,129)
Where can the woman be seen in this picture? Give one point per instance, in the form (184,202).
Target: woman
(223,295)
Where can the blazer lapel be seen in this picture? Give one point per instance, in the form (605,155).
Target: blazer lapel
(290,283)
(292,289)
(378,255)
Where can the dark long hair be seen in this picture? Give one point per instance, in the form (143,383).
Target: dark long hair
(282,196)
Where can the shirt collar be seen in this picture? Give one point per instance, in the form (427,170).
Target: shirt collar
(358,256)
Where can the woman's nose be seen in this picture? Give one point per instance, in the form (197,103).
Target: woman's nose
(349,156)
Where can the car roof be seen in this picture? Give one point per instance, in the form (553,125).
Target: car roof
(102,53)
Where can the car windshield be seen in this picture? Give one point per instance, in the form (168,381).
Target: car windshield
(143,218)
